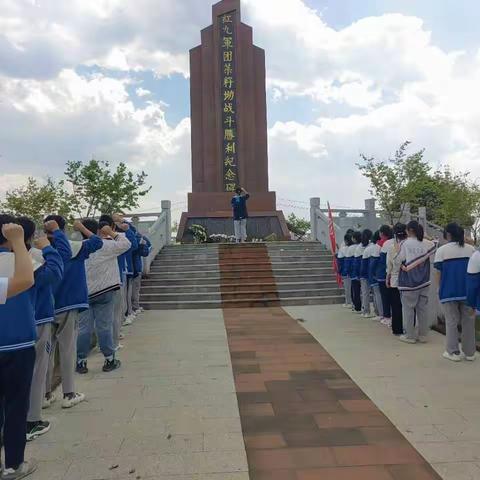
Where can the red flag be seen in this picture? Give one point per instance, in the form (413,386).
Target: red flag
(333,243)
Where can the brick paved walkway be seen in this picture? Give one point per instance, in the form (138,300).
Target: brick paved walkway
(302,417)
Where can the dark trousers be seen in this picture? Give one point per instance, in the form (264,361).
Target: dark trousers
(356,295)
(386,300)
(16,371)
(397,314)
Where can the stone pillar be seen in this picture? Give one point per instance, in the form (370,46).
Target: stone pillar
(422,217)
(406,213)
(314,207)
(371,214)
(167,209)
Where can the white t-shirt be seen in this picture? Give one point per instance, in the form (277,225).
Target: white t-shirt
(3,290)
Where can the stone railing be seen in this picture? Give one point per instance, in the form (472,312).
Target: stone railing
(157,227)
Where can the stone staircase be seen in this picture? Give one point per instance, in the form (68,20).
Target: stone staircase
(248,275)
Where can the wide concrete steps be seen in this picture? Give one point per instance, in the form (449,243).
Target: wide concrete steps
(251,275)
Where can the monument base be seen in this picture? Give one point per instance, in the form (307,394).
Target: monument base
(213,211)
(260,225)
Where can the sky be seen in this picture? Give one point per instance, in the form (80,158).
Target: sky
(109,79)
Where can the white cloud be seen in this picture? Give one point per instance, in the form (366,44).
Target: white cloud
(373,84)
(142,92)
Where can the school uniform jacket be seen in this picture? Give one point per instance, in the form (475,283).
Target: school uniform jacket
(72,293)
(473,281)
(414,262)
(451,260)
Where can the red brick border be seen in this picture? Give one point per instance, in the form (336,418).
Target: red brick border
(303,417)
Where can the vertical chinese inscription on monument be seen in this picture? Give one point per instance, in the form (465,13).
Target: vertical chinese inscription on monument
(229,100)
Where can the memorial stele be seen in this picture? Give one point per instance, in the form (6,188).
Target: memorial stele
(229,129)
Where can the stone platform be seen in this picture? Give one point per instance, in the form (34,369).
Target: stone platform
(254,394)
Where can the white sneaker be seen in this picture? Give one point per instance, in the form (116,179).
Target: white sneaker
(121,336)
(129,320)
(377,319)
(74,399)
(24,470)
(470,358)
(346,305)
(452,356)
(405,339)
(139,310)
(119,347)
(422,340)
(47,402)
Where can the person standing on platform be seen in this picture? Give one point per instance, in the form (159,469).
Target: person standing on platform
(393,269)
(356,253)
(17,358)
(343,266)
(240,214)
(385,243)
(413,258)
(451,263)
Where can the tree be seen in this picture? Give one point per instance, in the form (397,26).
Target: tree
(298,226)
(448,196)
(97,188)
(397,181)
(36,200)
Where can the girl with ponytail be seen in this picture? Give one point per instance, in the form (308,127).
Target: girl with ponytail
(451,263)
(413,261)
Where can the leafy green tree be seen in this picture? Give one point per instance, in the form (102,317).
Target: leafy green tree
(448,196)
(397,181)
(37,199)
(97,188)
(298,226)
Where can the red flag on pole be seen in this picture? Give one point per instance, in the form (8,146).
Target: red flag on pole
(333,243)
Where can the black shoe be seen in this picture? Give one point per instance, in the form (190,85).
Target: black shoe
(82,368)
(35,429)
(111,365)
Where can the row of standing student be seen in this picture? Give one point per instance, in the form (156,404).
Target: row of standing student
(76,287)
(393,266)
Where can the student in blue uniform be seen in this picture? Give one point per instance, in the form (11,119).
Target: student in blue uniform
(386,242)
(374,253)
(357,250)
(71,298)
(365,272)
(473,286)
(413,261)
(17,360)
(22,277)
(48,275)
(343,263)
(451,262)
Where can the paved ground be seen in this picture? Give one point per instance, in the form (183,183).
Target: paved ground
(171,412)
(433,402)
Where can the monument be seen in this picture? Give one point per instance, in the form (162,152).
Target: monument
(229,129)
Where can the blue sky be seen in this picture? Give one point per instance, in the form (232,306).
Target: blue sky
(109,78)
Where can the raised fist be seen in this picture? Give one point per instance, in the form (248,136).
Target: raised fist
(78,226)
(107,231)
(41,242)
(51,226)
(12,232)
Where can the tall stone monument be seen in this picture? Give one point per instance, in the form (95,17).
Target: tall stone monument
(229,129)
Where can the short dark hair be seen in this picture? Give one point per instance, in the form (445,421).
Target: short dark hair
(348,239)
(102,224)
(456,232)
(29,228)
(90,224)
(416,228)
(376,236)
(386,231)
(357,237)
(108,219)
(238,190)
(4,220)
(59,219)
(366,237)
